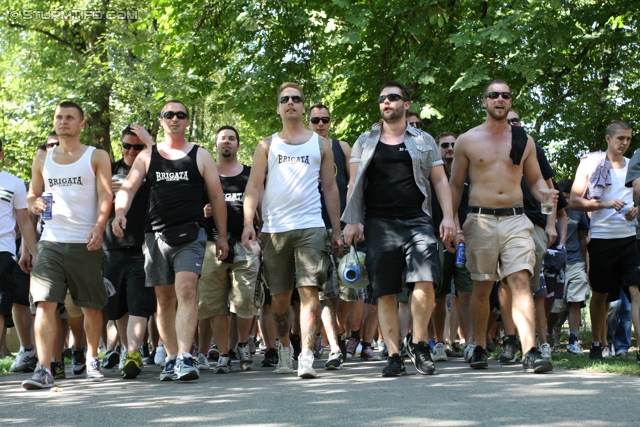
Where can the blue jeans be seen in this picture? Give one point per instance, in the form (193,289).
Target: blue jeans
(619,330)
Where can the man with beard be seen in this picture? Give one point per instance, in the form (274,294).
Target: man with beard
(496,155)
(390,204)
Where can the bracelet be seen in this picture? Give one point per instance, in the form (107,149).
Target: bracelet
(459,232)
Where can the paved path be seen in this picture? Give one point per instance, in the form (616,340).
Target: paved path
(354,396)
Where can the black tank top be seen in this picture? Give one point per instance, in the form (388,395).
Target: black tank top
(175,191)
(341,181)
(233,189)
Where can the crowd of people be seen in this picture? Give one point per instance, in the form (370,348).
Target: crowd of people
(170,257)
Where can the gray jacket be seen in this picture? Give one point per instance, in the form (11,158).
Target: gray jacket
(424,154)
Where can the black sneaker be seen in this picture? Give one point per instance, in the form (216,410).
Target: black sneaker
(456,351)
(479,358)
(509,350)
(111,359)
(233,356)
(270,358)
(342,343)
(596,352)
(408,348)
(533,361)
(422,358)
(57,371)
(395,366)
(296,342)
(334,362)
(78,360)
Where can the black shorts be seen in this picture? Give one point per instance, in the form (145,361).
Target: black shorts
(22,286)
(125,269)
(7,283)
(613,264)
(392,245)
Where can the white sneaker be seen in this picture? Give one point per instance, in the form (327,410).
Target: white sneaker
(606,352)
(25,361)
(161,355)
(574,348)
(439,353)
(94,370)
(545,349)
(468,352)
(285,360)
(305,365)
(123,357)
(244,354)
(202,362)
(223,366)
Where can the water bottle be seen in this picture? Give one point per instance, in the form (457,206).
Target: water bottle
(623,212)
(461,257)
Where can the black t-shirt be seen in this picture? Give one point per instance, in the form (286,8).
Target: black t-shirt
(233,188)
(339,165)
(531,204)
(391,190)
(136,217)
(175,191)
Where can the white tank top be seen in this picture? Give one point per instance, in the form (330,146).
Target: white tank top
(291,197)
(75,199)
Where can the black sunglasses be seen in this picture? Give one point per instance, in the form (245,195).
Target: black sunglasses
(51,144)
(495,95)
(446,145)
(136,147)
(295,98)
(391,97)
(513,121)
(179,114)
(316,120)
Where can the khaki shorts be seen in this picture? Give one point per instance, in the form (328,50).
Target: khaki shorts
(577,282)
(333,287)
(540,239)
(222,283)
(62,266)
(498,246)
(301,251)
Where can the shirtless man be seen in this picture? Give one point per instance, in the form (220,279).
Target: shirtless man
(498,234)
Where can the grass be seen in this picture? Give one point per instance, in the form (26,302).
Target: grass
(5,364)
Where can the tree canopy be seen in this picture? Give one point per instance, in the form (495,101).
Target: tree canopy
(572,65)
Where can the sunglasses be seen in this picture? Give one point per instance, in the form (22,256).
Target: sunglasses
(495,95)
(391,97)
(316,120)
(51,144)
(514,121)
(136,147)
(295,98)
(181,115)
(446,145)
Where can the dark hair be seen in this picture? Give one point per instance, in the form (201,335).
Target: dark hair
(128,131)
(412,114)
(443,135)
(292,85)
(616,126)
(565,185)
(229,128)
(493,82)
(319,107)
(403,88)
(52,134)
(176,101)
(71,104)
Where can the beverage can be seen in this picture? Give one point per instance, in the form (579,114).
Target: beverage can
(461,256)
(47,213)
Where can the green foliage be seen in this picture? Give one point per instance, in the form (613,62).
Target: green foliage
(572,64)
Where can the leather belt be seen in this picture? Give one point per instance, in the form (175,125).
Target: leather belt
(514,210)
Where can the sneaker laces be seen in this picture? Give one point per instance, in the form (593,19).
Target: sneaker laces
(244,352)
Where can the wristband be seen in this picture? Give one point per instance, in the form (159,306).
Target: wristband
(459,232)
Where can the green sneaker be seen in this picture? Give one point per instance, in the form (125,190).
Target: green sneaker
(132,365)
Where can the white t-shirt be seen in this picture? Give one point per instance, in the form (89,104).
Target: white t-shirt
(291,197)
(609,223)
(13,195)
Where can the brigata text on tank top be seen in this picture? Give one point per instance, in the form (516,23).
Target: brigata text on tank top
(175,191)
(291,197)
(75,198)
